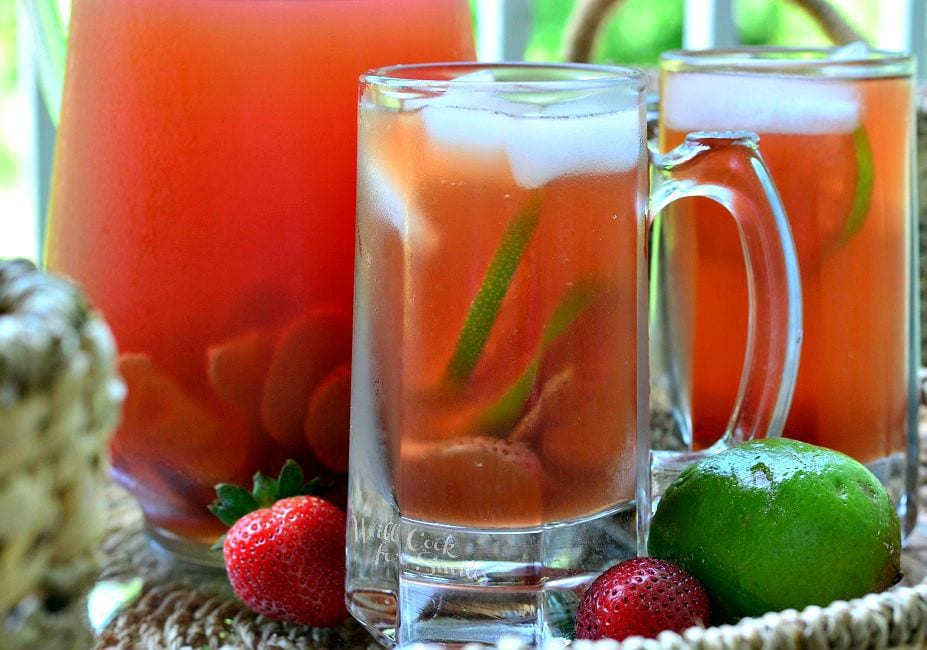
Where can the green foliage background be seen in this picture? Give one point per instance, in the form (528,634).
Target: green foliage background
(9,165)
(639,30)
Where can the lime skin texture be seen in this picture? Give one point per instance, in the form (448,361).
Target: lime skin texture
(776,524)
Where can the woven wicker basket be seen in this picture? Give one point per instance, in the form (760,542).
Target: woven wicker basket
(59,398)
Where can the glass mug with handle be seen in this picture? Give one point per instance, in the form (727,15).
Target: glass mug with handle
(500,369)
(837,133)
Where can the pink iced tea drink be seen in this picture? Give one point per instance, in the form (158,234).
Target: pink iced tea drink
(204,194)
(838,152)
(527,414)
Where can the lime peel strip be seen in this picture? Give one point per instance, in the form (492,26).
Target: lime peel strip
(485,306)
(502,414)
(865,174)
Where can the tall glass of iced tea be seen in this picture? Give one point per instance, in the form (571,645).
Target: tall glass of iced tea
(203,193)
(836,130)
(499,394)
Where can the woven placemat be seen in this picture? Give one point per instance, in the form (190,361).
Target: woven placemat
(176,607)
(180,606)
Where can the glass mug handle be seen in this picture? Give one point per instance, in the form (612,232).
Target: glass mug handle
(726,166)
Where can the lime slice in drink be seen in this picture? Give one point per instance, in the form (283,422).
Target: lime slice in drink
(502,415)
(862,195)
(485,305)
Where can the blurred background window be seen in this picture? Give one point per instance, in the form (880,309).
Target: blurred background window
(636,33)
(17,212)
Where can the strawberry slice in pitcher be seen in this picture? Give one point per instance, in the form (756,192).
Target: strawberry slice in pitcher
(328,419)
(309,348)
(168,433)
(238,366)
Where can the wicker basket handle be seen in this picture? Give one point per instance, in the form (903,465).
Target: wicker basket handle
(590,16)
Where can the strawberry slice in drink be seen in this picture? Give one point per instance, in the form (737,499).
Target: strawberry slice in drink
(308,350)
(175,439)
(237,368)
(471,481)
(328,419)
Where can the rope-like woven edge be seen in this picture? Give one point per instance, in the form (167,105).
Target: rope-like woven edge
(166,616)
(831,22)
(586,23)
(893,618)
(887,620)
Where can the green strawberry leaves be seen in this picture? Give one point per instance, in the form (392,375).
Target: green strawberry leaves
(233,501)
(290,481)
(265,490)
(485,306)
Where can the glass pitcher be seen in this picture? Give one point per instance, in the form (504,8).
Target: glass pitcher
(203,193)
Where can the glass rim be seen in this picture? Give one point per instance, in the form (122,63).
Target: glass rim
(804,61)
(526,76)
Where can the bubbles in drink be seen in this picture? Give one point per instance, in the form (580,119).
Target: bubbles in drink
(697,101)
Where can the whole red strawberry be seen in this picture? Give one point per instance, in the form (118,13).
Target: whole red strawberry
(285,559)
(641,597)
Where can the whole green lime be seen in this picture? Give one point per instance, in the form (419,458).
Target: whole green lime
(774,524)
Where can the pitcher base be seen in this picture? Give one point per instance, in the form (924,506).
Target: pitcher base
(184,551)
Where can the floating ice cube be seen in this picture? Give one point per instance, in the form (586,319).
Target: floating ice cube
(592,102)
(700,101)
(484,75)
(543,148)
(469,122)
(468,130)
(380,195)
(855,51)
(389,203)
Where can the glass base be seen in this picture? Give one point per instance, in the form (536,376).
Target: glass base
(900,480)
(456,585)
(180,549)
